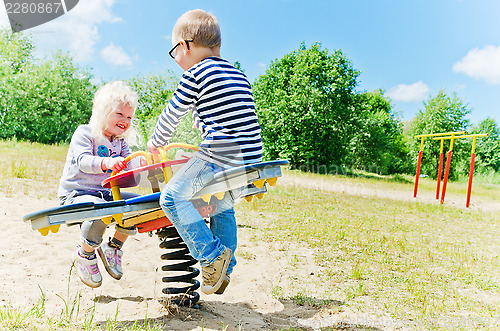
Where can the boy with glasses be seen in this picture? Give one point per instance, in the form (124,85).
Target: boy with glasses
(220,98)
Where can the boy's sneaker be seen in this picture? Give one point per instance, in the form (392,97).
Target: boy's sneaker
(87,270)
(224,284)
(112,260)
(214,274)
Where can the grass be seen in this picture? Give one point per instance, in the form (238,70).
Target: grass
(411,264)
(31,167)
(405,260)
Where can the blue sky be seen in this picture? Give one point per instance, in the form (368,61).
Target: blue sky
(411,49)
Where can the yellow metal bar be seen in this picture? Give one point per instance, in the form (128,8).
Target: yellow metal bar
(440,134)
(186,146)
(473,145)
(422,144)
(464,136)
(442,143)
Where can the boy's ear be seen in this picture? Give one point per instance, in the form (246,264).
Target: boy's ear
(184,46)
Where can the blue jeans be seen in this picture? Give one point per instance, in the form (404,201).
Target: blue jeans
(205,244)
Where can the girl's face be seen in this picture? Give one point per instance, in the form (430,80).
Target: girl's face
(119,120)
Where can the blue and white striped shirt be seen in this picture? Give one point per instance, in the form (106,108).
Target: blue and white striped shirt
(221,99)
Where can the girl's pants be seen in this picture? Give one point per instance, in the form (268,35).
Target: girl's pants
(91,232)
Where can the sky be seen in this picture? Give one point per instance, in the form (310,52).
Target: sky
(410,49)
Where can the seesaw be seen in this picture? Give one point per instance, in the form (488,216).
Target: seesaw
(145,212)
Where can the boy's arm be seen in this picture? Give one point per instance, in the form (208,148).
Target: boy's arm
(183,99)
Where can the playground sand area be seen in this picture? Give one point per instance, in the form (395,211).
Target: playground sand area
(34,266)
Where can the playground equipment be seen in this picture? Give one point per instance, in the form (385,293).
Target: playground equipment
(419,160)
(145,212)
(452,136)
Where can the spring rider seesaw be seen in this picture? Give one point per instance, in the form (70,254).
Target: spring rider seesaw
(145,212)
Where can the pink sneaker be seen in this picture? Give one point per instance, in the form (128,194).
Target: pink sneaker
(112,260)
(87,270)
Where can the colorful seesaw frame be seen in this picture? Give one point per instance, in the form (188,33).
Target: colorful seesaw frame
(145,211)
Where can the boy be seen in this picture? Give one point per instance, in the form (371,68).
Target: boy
(221,101)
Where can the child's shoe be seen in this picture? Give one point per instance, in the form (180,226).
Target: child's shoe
(224,284)
(87,270)
(112,260)
(214,274)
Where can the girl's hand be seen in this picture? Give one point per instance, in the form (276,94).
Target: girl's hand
(144,162)
(115,164)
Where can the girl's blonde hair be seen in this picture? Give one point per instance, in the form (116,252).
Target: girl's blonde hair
(107,98)
(197,25)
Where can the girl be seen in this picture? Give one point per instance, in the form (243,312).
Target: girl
(95,150)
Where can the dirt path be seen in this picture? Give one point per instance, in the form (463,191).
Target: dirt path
(368,190)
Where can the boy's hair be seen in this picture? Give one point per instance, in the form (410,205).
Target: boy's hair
(106,99)
(198,25)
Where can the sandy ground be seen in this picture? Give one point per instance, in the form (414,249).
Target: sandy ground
(33,266)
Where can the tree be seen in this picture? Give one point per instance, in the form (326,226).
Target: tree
(442,113)
(155,90)
(42,101)
(15,52)
(378,143)
(304,102)
(487,148)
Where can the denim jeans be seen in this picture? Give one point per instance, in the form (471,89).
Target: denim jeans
(205,244)
(91,232)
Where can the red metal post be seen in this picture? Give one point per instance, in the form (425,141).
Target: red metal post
(446,173)
(417,176)
(440,171)
(471,174)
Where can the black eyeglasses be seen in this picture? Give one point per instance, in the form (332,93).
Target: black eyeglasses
(172,51)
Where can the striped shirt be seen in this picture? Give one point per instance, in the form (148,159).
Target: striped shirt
(221,99)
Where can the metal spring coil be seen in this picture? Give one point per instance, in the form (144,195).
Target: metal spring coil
(178,251)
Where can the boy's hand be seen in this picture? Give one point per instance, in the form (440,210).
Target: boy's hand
(115,164)
(152,148)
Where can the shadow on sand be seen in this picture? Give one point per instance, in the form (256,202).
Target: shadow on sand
(217,315)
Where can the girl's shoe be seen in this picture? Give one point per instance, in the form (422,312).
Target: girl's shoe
(87,270)
(112,260)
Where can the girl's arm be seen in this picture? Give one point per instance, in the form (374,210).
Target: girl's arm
(83,151)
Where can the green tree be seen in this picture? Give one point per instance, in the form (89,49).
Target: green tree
(42,101)
(15,52)
(378,143)
(487,148)
(155,90)
(305,106)
(442,113)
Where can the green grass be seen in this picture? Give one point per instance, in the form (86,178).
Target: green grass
(406,260)
(31,167)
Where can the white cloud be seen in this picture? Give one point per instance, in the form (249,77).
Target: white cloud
(76,31)
(481,63)
(409,93)
(116,56)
